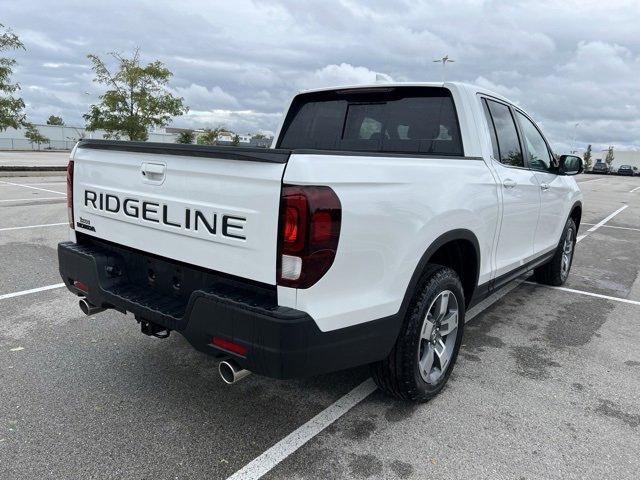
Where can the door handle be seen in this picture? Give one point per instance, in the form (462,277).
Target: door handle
(153,173)
(153,169)
(544,186)
(509,183)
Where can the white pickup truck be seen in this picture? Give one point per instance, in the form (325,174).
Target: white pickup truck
(380,216)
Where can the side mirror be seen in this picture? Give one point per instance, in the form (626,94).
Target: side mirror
(570,165)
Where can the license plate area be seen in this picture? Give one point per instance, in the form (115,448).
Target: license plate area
(173,281)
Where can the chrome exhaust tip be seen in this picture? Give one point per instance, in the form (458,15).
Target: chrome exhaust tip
(89,308)
(231,372)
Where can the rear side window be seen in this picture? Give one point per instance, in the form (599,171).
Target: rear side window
(506,134)
(492,131)
(395,120)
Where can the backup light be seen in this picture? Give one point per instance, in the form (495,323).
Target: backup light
(291,267)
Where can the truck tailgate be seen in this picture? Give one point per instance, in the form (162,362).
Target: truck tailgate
(213,207)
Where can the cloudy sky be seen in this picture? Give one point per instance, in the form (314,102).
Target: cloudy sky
(238,62)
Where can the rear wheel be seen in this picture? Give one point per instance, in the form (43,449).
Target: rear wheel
(425,352)
(556,271)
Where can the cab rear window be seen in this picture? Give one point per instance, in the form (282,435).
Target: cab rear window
(419,120)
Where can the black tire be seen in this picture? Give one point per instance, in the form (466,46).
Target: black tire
(399,374)
(551,273)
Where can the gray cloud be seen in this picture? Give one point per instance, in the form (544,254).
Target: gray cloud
(238,63)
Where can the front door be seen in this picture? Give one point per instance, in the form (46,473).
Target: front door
(554,191)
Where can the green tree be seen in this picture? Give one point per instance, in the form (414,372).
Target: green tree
(587,158)
(609,158)
(11,107)
(259,136)
(136,98)
(513,158)
(210,136)
(236,140)
(55,120)
(185,137)
(34,136)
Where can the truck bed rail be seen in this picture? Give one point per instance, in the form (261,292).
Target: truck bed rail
(228,153)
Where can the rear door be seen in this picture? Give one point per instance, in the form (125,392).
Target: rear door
(214,207)
(519,186)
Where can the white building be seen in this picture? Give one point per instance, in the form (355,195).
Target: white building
(63,137)
(229,137)
(620,157)
(226,137)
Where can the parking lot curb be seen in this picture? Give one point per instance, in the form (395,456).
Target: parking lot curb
(27,171)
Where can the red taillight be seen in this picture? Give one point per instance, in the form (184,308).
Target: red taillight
(81,286)
(229,346)
(291,225)
(321,227)
(310,218)
(70,193)
(295,222)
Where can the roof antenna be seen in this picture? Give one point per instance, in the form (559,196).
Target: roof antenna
(444,60)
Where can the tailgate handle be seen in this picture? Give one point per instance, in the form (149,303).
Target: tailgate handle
(153,171)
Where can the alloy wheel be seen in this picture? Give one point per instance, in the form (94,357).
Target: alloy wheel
(438,337)
(567,254)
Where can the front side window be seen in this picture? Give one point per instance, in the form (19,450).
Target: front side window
(398,119)
(509,149)
(538,153)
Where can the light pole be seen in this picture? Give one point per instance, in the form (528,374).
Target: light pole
(444,60)
(90,133)
(573,138)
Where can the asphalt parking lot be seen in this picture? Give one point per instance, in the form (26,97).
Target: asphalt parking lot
(547,384)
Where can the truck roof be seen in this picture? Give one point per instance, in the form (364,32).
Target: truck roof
(449,85)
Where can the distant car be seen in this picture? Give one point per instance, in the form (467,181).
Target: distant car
(626,170)
(601,168)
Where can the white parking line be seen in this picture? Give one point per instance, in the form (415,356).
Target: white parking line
(31,199)
(33,290)
(292,442)
(296,439)
(637,188)
(601,223)
(589,294)
(34,188)
(33,226)
(613,226)
(592,180)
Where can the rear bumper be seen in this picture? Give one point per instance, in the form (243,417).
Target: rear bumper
(281,342)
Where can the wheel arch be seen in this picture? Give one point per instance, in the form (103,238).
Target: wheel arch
(449,249)
(576,213)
